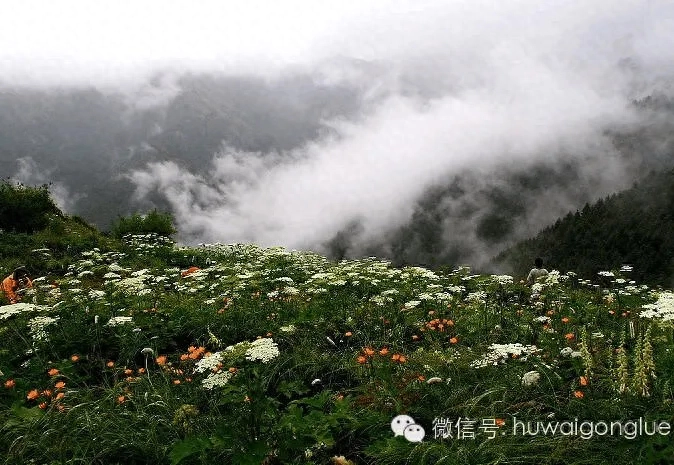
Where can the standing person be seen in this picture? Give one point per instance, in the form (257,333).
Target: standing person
(16,282)
(536,272)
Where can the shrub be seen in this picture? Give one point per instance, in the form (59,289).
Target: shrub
(25,209)
(153,222)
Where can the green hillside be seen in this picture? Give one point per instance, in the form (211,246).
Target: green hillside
(139,351)
(634,227)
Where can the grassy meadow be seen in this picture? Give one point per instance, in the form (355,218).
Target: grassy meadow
(141,351)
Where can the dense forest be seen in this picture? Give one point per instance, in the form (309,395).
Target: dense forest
(633,227)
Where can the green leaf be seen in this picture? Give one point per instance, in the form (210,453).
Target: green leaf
(189,446)
(254,454)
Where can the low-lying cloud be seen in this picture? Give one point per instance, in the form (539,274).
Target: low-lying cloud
(446,88)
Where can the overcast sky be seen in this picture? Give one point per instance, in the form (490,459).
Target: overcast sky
(103,42)
(510,81)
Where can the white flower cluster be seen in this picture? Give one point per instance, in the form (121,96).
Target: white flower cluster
(209,362)
(411,304)
(502,352)
(115,268)
(380,300)
(131,286)
(288,329)
(606,274)
(663,309)
(8,310)
(552,278)
(502,279)
(417,271)
(96,294)
(264,349)
(569,352)
(218,379)
(531,378)
(119,320)
(290,290)
(37,326)
(477,297)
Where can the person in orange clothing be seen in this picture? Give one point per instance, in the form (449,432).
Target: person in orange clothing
(189,271)
(16,282)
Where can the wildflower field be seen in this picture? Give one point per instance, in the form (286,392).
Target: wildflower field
(146,352)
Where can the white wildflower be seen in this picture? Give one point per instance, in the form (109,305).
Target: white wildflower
(477,297)
(531,378)
(218,379)
(287,329)
(38,324)
(96,294)
(264,349)
(502,352)
(411,304)
(502,279)
(8,310)
(552,277)
(209,362)
(119,320)
(662,309)
(290,290)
